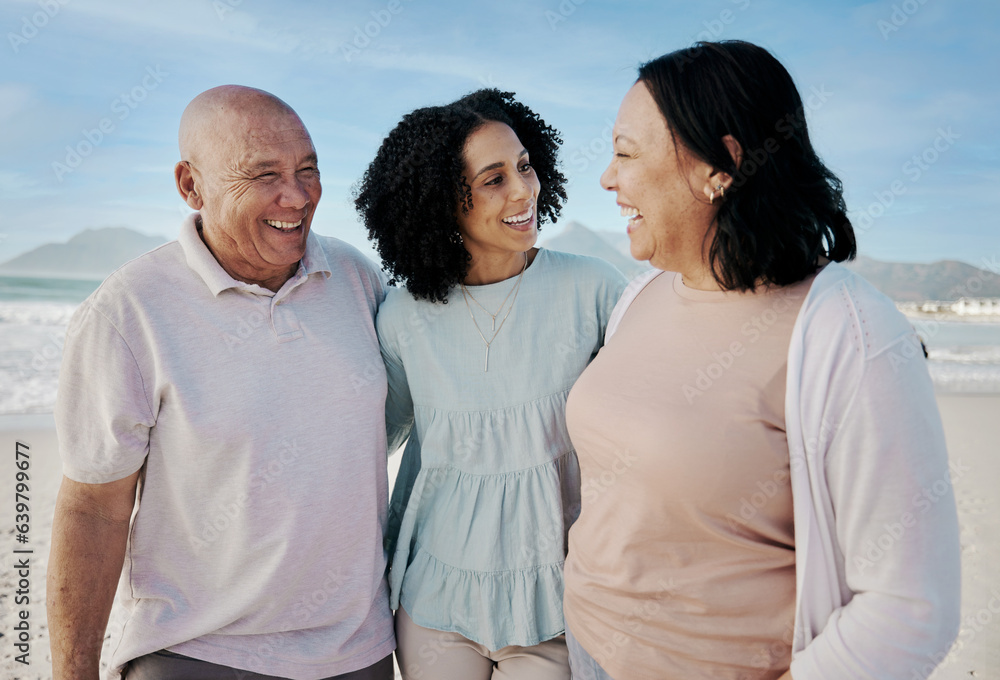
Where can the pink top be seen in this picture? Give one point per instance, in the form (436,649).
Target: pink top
(682,563)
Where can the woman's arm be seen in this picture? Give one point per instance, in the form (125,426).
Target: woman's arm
(891,507)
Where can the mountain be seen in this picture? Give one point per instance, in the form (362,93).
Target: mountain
(95,253)
(619,239)
(579,240)
(944,280)
(947,280)
(91,254)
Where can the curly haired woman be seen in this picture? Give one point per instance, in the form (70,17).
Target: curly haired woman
(481,349)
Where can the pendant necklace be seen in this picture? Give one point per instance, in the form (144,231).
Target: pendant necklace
(495,330)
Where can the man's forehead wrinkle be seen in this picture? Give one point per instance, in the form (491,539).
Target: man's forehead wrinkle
(290,131)
(237,148)
(262,147)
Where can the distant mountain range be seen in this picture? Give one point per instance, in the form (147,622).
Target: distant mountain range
(944,280)
(903,282)
(91,254)
(95,253)
(579,240)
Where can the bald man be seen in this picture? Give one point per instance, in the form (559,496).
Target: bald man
(221,424)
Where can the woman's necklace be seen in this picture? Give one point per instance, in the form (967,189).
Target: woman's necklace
(515,290)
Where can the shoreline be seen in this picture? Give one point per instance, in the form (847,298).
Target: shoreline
(29,422)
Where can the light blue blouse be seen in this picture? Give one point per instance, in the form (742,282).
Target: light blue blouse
(489,483)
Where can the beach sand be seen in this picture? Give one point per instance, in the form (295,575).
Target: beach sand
(972,426)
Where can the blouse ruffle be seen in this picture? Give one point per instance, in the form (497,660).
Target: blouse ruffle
(513,492)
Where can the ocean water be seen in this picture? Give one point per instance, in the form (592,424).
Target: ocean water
(964,356)
(34,314)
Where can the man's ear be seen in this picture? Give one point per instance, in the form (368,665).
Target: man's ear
(184,178)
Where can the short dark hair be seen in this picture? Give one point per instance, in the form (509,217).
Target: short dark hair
(411,192)
(785,208)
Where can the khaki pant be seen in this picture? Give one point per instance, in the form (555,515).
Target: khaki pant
(425,654)
(164,665)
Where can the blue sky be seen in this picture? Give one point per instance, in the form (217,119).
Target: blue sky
(902,98)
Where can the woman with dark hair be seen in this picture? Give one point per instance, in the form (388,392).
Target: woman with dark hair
(787,510)
(481,350)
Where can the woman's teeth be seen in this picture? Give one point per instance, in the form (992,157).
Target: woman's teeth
(518,220)
(283,226)
(631,213)
(633,216)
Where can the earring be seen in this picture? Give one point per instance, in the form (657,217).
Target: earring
(722,193)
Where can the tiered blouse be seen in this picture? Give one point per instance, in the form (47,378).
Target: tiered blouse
(489,483)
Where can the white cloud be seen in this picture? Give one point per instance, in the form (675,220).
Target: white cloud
(19,185)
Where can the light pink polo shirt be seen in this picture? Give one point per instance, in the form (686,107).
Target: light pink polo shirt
(257,419)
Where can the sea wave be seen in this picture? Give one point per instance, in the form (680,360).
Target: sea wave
(965,355)
(965,377)
(32,335)
(32,392)
(962,357)
(25,313)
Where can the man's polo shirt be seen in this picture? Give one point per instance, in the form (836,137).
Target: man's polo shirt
(257,419)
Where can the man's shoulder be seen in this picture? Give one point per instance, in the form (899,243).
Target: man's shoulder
(341,252)
(154,271)
(351,270)
(162,259)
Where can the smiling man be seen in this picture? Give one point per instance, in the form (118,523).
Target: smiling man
(221,425)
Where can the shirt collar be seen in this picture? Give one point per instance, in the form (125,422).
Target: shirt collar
(203,263)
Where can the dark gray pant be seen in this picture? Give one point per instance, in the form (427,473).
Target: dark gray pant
(164,665)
